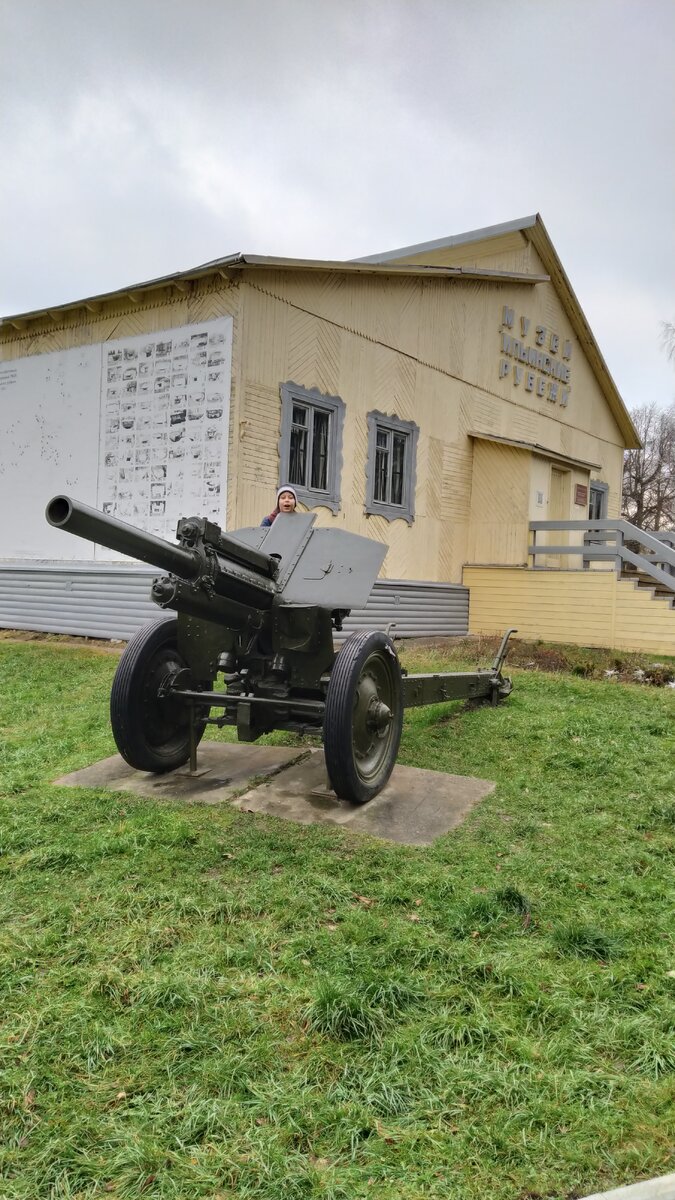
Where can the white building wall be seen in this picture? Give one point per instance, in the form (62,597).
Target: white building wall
(137,427)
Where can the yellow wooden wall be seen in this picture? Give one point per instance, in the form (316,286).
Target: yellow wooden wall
(587,429)
(507,252)
(585,608)
(500,500)
(423,350)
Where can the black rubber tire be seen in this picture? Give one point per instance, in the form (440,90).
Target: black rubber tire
(359,757)
(151,734)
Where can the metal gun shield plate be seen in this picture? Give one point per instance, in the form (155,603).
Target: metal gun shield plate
(335,570)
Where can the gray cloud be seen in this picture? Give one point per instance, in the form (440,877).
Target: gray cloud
(142,138)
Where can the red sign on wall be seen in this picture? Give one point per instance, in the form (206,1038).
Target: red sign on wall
(581,494)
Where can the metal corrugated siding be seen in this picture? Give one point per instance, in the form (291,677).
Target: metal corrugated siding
(111,601)
(414,609)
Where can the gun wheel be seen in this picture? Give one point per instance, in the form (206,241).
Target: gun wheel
(152,733)
(363,716)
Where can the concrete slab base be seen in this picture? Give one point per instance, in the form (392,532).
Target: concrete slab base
(222,772)
(415,808)
(662,1188)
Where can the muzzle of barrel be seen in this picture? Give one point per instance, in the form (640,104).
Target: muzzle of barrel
(74,517)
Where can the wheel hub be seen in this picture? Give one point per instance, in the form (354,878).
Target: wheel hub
(379,717)
(362,722)
(372,717)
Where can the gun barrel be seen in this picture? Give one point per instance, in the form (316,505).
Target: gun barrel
(64,513)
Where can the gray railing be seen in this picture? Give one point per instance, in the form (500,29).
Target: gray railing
(605,540)
(667,536)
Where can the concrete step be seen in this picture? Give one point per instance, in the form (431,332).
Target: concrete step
(645,581)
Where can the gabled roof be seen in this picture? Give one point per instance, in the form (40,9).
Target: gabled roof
(456,239)
(232,263)
(393,263)
(533,230)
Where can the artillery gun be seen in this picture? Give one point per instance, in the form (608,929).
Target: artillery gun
(252,638)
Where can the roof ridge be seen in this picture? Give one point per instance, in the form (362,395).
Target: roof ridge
(456,239)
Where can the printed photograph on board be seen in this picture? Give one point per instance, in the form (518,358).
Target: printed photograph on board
(165,405)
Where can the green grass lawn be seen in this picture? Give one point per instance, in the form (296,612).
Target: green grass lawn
(198,1002)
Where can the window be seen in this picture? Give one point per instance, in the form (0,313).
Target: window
(597,505)
(310,448)
(390,468)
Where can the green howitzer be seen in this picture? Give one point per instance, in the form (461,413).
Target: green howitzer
(252,638)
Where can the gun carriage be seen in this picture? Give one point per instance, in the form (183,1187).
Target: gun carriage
(252,638)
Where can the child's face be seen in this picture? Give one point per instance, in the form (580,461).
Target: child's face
(286,502)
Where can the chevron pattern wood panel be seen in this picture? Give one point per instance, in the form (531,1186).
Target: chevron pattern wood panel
(355,462)
(403,556)
(323,295)
(522,424)
(207,306)
(431,477)
(259,436)
(488,414)
(456,486)
(314,352)
(500,481)
(452,549)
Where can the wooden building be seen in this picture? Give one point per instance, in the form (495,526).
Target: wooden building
(440,398)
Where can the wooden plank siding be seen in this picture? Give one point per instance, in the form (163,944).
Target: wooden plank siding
(585,608)
(425,350)
(499,505)
(508,252)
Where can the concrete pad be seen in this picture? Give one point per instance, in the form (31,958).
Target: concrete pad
(662,1188)
(222,771)
(415,808)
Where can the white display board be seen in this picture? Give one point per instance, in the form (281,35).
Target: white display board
(136,427)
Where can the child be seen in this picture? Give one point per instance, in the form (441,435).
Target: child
(286,503)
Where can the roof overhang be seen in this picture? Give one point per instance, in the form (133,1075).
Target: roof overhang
(228,268)
(565,460)
(455,239)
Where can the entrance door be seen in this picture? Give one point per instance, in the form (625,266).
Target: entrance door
(559,510)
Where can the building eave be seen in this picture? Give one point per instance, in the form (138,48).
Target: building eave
(537,234)
(535,448)
(418,270)
(234,264)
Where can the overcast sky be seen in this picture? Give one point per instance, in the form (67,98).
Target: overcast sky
(142,137)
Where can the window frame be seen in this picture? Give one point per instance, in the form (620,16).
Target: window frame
(392,424)
(602,489)
(294,394)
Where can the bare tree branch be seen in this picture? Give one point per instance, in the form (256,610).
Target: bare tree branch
(668,339)
(649,473)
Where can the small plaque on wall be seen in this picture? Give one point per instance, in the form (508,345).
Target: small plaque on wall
(581,494)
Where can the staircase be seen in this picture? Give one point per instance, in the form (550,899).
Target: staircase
(643,580)
(648,559)
(643,604)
